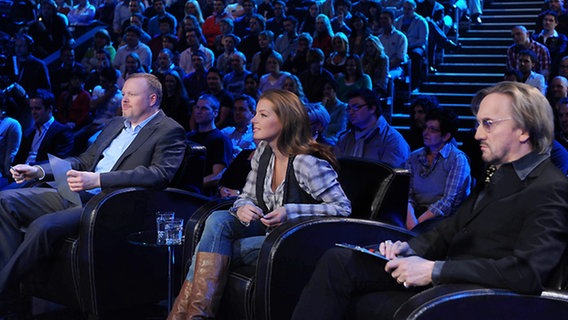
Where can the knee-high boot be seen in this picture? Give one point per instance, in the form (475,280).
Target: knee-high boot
(179,309)
(211,271)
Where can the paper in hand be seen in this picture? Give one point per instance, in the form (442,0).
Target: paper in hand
(60,167)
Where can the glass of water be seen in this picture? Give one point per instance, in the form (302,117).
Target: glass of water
(174,232)
(162,217)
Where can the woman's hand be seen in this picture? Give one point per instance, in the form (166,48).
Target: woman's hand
(248,213)
(275,218)
(411,221)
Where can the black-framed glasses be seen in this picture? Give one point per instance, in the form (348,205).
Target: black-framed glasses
(489,124)
(356,107)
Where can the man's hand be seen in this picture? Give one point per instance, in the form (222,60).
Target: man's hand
(23,172)
(248,213)
(393,250)
(275,218)
(411,271)
(83,180)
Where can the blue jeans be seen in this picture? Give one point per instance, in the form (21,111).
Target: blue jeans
(225,234)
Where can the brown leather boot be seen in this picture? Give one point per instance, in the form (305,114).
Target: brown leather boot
(211,271)
(179,309)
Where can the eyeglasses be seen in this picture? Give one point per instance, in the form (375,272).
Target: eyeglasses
(356,107)
(488,124)
(431,130)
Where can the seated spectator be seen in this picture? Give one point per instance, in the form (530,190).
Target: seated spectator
(353,79)
(308,24)
(73,104)
(244,109)
(226,27)
(93,77)
(192,7)
(242,23)
(394,42)
(223,61)
(274,78)
(234,81)
(287,42)
(165,64)
(249,44)
(139,20)
(415,28)
(60,74)
(11,137)
(219,148)
(376,64)
(132,65)
(563,67)
(101,41)
(297,60)
(215,87)
(175,101)
(319,120)
(33,72)
(359,32)
(555,42)
(439,172)
(557,90)
(193,38)
(133,44)
(335,63)
(49,30)
(336,109)
(82,14)
(339,22)
(527,62)
(523,41)
(559,8)
(323,35)
(251,86)
(562,130)
(315,75)
(165,29)
(266,44)
(189,22)
(212,25)
(370,136)
(419,107)
(276,23)
(195,82)
(293,84)
(64,6)
(105,12)
(154,22)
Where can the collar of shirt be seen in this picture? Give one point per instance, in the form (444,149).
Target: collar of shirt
(525,165)
(128,125)
(45,126)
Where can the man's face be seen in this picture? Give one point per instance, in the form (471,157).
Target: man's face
(289,28)
(163,60)
(555,5)
(502,141)
(248,7)
(557,89)
(203,113)
(137,101)
(278,10)
(525,64)
(520,37)
(218,6)
(191,38)
(407,10)
(164,27)
(549,23)
(134,6)
(250,85)
(229,44)
(197,62)
(419,116)
(359,113)
(237,64)
(563,69)
(132,39)
(39,112)
(254,26)
(241,113)
(159,6)
(214,81)
(328,91)
(563,117)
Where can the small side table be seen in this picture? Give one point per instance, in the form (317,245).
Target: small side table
(149,239)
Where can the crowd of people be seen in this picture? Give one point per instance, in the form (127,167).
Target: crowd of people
(240,79)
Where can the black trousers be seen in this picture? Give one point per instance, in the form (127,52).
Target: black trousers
(351,285)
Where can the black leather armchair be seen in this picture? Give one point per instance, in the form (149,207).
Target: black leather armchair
(97,271)
(376,190)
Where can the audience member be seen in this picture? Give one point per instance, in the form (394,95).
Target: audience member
(323,35)
(101,41)
(394,43)
(266,45)
(274,78)
(192,7)
(298,60)
(342,9)
(81,14)
(369,136)
(223,61)
(11,137)
(514,75)
(293,84)
(562,131)
(415,28)
(266,9)
(143,149)
(226,27)
(563,67)
(165,64)
(419,107)
(287,152)
(133,45)
(523,41)
(195,83)
(27,70)
(525,197)
(287,42)
(353,79)
(132,65)
(60,75)
(49,30)
(557,90)
(526,64)
(193,38)
(211,26)
(440,176)
(314,77)
(337,111)
(249,46)
(251,86)
(219,148)
(121,14)
(359,32)
(234,81)
(319,120)
(138,20)
(189,22)
(165,29)
(93,77)
(154,22)
(335,63)
(276,23)
(105,12)
(555,42)
(376,64)
(215,88)
(74,103)
(241,135)
(242,23)
(558,7)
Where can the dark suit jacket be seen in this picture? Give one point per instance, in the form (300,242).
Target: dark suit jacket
(512,239)
(150,161)
(58,141)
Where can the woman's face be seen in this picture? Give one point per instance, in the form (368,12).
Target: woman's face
(313,10)
(350,66)
(131,65)
(338,45)
(320,25)
(289,85)
(370,48)
(170,83)
(272,65)
(190,9)
(250,85)
(262,42)
(266,124)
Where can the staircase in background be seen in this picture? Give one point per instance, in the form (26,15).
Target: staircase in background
(481,62)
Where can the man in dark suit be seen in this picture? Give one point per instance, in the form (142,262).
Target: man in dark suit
(510,233)
(143,149)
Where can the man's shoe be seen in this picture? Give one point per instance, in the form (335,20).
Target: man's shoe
(433,69)
(476,19)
